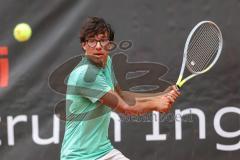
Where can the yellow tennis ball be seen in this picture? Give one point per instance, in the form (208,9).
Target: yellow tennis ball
(22,32)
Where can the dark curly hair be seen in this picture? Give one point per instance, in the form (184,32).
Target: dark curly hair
(93,26)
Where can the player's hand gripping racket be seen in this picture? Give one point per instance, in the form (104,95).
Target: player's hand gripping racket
(202,50)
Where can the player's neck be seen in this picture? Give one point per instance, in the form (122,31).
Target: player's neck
(101,63)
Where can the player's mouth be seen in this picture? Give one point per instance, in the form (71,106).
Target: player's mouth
(99,54)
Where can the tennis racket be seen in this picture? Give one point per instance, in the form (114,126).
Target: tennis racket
(202,50)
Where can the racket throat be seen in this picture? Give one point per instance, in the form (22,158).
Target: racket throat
(180,83)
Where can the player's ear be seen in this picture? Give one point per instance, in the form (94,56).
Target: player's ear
(83,44)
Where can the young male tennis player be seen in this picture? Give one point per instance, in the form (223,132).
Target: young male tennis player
(93,93)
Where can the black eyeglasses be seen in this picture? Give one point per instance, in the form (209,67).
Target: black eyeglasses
(93,42)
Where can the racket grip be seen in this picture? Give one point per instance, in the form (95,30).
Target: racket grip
(178,87)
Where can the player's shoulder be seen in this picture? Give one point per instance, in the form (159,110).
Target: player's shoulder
(86,72)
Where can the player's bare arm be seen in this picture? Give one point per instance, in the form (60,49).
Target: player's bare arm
(139,103)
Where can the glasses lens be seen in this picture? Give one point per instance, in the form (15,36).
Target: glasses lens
(104,42)
(92,42)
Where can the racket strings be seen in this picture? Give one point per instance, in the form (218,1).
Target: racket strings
(208,45)
(215,44)
(194,58)
(203,45)
(199,58)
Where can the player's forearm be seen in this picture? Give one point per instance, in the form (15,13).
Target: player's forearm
(139,107)
(131,97)
(131,103)
(138,103)
(127,94)
(128,105)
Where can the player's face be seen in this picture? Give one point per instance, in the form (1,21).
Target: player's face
(96,48)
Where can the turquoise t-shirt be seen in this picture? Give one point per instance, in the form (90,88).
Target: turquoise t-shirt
(87,121)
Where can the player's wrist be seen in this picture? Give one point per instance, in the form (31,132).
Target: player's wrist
(153,105)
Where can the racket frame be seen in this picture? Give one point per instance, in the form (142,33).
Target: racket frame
(181,81)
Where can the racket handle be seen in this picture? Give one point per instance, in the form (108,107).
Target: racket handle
(178,87)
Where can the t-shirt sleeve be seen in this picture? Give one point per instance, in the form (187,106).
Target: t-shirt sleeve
(113,76)
(93,84)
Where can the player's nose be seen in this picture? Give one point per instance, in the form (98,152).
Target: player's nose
(98,46)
